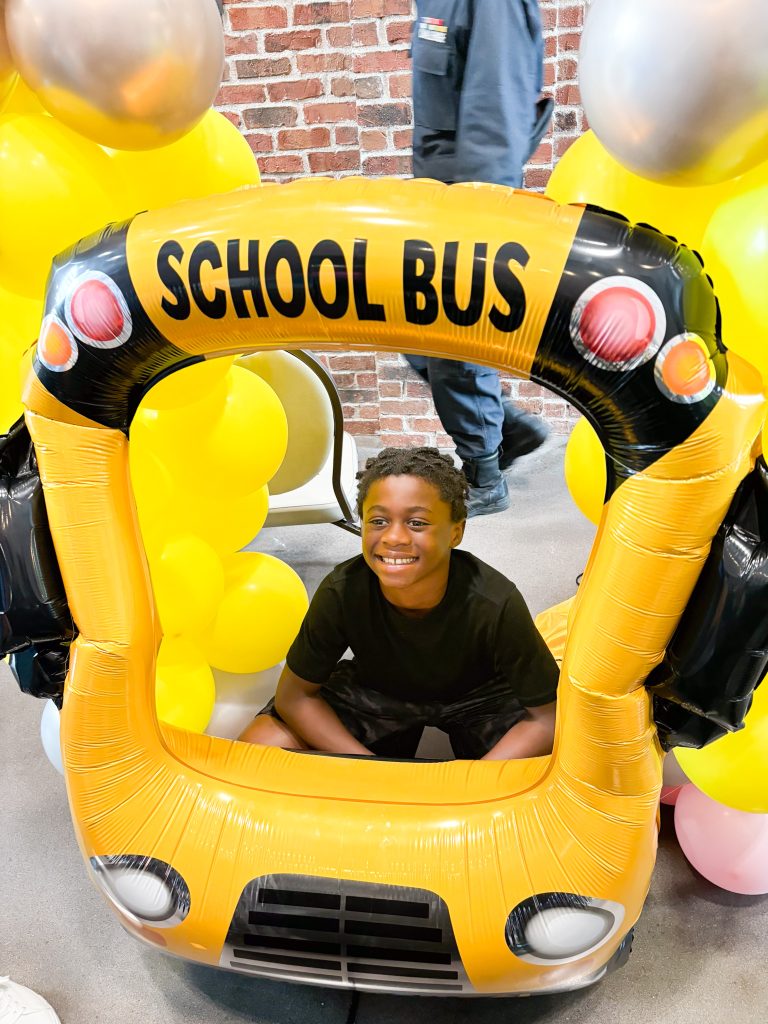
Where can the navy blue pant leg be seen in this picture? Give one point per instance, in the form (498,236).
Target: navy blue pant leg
(467,398)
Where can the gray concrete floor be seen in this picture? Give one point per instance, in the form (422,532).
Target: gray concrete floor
(699,952)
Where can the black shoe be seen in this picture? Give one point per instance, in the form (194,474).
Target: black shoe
(521,434)
(483,501)
(488,491)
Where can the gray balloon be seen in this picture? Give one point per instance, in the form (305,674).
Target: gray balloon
(129,74)
(677,90)
(7,70)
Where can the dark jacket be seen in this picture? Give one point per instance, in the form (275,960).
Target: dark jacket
(477,76)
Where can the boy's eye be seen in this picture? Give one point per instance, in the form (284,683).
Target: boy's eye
(377,522)
(418,523)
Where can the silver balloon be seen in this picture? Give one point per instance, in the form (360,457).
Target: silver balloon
(129,74)
(677,90)
(7,70)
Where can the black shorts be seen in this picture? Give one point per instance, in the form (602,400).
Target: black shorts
(392,728)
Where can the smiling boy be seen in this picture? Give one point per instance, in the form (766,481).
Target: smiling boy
(437,636)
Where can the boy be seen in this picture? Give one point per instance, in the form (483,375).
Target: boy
(438,637)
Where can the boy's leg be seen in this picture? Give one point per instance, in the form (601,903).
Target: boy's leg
(271,731)
(387,726)
(399,744)
(477,721)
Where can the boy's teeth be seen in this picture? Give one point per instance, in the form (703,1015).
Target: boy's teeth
(397,561)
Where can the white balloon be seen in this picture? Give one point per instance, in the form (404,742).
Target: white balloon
(677,90)
(674,776)
(50,734)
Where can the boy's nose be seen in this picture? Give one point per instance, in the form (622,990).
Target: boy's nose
(396,535)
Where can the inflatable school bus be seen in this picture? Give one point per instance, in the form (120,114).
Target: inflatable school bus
(462,878)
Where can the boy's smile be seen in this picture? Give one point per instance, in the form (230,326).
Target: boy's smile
(407,538)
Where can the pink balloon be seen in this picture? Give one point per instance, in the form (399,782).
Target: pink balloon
(669,794)
(727,846)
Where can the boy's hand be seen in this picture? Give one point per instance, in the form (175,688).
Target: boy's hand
(533,736)
(300,705)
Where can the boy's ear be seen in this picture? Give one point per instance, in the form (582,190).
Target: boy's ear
(457,533)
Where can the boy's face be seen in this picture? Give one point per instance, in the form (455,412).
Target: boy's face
(407,537)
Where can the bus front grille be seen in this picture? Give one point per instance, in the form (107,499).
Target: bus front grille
(345,934)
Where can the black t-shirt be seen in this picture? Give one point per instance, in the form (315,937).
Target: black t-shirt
(481,631)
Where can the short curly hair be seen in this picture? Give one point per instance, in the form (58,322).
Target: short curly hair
(427,463)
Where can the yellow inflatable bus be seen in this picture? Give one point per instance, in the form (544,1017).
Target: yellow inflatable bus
(459,877)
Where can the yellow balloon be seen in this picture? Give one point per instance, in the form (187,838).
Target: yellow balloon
(263,606)
(735,251)
(25,368)
(226,524)
(734,769)
(585,472)
(159,439)
(153,490)
(8,74)
(233,440)
(235,447)
(20,317)
(56,188)
(195,383)
(587,173)
(10,388)
(21,100)
(185,691)
(188,582)
(8,79)
(249,440)
(181,486)
(213,157)
(307,409)
(225,521)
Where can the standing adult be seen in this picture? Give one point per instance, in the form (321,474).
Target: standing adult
(478,116)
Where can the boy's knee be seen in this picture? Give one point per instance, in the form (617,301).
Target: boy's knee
(271,732)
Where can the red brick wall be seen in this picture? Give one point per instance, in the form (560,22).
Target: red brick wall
(323,87)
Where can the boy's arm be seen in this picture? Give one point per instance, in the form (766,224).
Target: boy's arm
(532,736)
(300,705)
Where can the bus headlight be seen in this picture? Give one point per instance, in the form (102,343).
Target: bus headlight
(560,927)
(144,889)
